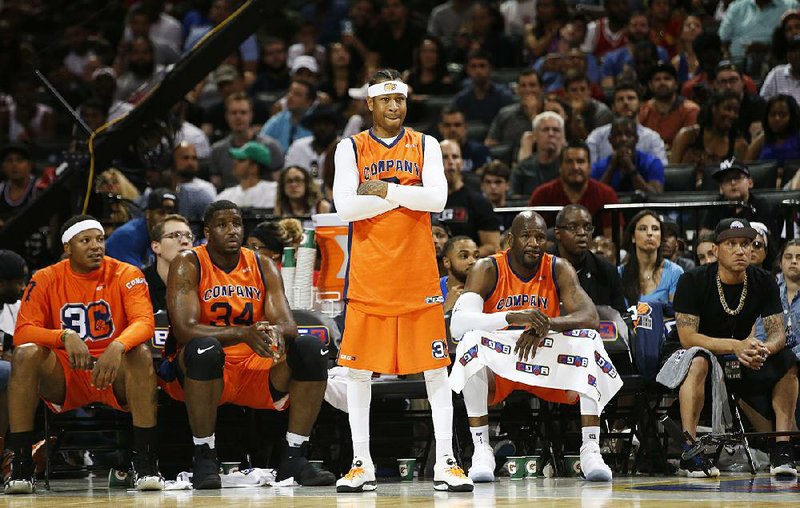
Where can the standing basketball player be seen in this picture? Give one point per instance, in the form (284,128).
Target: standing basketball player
(238,344)
(80,338)
(388,180)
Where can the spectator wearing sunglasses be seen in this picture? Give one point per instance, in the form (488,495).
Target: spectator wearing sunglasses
(760,253)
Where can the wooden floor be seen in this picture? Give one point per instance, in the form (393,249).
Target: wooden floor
(660,492)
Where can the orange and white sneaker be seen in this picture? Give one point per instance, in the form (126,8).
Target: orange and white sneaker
(448,475)
(360,478)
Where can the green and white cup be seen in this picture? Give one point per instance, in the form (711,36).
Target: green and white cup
(572,464)
(229,467)
(531,466)
(117,478)
(406,467)
(516,467)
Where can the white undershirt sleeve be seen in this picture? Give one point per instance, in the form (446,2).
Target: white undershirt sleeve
(432,196)
(349,205)
(468,315)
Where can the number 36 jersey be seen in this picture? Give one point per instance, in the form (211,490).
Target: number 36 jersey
(231,299)
(107,304)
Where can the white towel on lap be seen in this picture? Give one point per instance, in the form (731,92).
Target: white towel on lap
(572,360)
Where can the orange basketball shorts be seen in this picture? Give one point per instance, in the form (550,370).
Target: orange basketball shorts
(246,384)
(503,388)
(79,389)
(405,344)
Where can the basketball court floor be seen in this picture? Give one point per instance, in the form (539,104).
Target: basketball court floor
(639,491)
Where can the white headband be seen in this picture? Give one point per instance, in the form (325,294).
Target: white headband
(80,227)
(388,87)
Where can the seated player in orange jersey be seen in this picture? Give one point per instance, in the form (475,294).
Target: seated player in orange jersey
(538,294)
(237,343)
(80,338)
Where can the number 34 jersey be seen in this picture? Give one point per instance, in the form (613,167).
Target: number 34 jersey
(231,299)
(109,303)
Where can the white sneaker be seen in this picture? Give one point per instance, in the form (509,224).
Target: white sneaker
(19,487)
(593,467)
(483,465)
(153,482)
(448,475)
(360,478)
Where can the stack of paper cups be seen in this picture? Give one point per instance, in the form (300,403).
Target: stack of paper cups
(288,273)
(304,276)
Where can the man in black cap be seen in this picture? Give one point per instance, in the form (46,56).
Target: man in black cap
(131,242)
(667,112)
(716,306)
(735,184)
(309,152)
(785,78)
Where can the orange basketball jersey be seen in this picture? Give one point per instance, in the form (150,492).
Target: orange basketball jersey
(109,303)
(392,268)
(231,299)
(515,293)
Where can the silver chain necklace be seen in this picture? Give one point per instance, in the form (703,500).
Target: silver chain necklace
(738,309)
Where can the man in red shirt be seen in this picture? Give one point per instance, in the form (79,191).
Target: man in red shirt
(573,186)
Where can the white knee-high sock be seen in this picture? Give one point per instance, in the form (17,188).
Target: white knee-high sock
(441,398)
(359,397)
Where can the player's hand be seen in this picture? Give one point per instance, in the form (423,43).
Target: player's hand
(106,367)
(373,188)
(530,318)
(527,344)
(256,337)
(77,351)
(276,343)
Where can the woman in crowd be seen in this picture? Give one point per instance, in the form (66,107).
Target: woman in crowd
(298,194)
(269,238)
(428,75)
(340,76)
(761,249)
(714,138)
(543,37)
(781,137)
(783,33)
(646,275)
(686,61)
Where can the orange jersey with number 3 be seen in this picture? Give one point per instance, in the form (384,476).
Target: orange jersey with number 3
(392,268)
(231,299)
(515,293)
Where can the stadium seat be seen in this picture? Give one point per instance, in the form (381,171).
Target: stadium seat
(679,177)
(476,131)
(501,152)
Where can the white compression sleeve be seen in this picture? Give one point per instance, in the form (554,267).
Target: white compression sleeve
(468,315)
(441,398)
(589,406)
(432,196)
(349,205)
(359,397)
(476,394)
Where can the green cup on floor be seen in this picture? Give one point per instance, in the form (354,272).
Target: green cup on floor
(572,465)
(229,467)
(117,478)
(516,467)
(531,466)
(406,468)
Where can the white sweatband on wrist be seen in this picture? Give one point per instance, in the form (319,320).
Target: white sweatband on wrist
(80,227)
(468,315)
(387,88)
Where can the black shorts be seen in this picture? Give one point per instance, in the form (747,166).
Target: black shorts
(755,386)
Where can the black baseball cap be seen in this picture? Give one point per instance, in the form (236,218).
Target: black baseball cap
(156,198)
(729,165)
(734,228)
(19,148)
(663,66)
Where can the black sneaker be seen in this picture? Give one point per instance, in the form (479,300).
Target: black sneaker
(205,471)
(22,479)
(295,464)
(145,472)
(781,460)
(697,467)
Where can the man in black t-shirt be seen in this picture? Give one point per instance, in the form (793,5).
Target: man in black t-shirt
(597,276)
(716,306)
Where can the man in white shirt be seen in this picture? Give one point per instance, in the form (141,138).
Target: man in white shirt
(309,152)
(252,159)
(785,79)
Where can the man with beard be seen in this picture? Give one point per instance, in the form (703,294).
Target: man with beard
(466,211)
(667,112)
(453,126)
(194,194)
(716,307)
(482,99)
(628,169)
(309,153)
(626,102)
(440,233)
(574,186)
(140,67)
(616,61)
(459,255)
(599,278)
(538,295)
